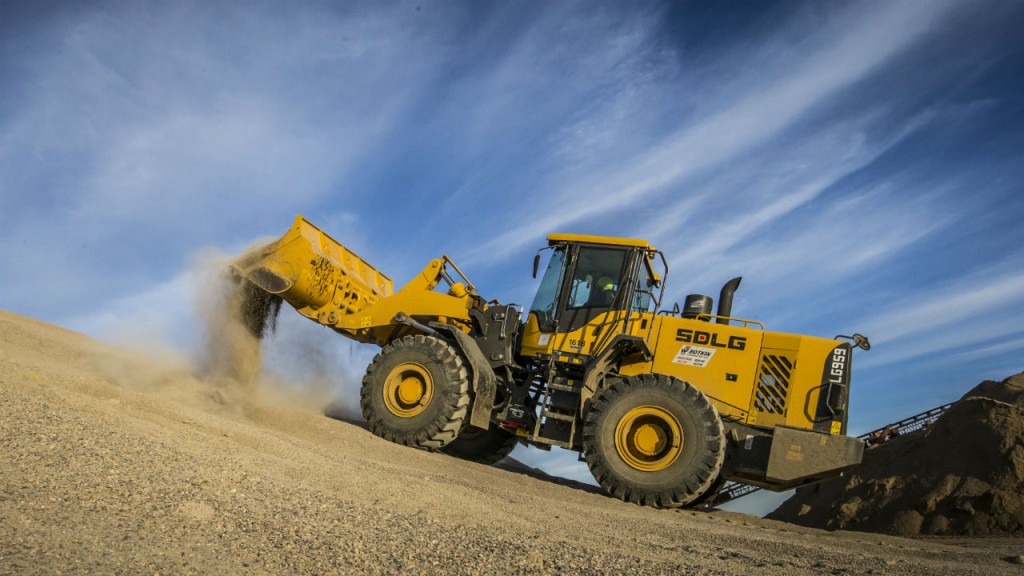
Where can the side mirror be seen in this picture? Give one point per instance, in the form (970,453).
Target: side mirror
(536,263)
(862,342)
(859,340)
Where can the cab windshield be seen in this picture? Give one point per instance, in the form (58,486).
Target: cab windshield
(545,303)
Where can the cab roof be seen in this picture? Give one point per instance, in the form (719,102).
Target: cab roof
(606,240)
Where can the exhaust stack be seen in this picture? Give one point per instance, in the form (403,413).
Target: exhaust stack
(725,299)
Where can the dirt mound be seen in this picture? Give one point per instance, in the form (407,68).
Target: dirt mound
(964,475)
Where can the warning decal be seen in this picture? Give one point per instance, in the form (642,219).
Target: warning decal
(694,356)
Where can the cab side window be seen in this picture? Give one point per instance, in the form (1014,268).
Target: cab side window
(595,280)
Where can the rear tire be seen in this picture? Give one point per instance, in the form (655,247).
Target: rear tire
(654,440)
(710,496)
(416,392)
(484,446)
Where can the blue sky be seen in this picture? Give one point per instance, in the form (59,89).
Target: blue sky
(859,164)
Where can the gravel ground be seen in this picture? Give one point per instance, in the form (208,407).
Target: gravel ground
(119,463)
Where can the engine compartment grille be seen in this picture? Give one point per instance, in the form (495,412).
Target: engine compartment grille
(773,384)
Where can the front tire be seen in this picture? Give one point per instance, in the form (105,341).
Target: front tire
(416,392)
(653,440)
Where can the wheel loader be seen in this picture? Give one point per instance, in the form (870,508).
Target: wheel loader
(664,406)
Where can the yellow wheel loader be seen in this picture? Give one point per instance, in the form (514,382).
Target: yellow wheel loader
(664,405)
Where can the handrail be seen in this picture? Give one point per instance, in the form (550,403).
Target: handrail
(746,323)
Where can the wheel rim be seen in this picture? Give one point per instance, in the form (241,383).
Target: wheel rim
(649,438)
(408,390)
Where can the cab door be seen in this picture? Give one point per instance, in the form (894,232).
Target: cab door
(581,286)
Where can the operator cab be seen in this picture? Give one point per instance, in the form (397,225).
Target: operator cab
(586,279)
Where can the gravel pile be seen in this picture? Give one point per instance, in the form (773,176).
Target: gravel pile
(964,475)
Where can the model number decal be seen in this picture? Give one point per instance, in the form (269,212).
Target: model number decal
(710,339)
(577,344)
(838,366)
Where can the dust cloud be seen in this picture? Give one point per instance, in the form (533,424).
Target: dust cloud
(236,316)
(253,356)
(234,353)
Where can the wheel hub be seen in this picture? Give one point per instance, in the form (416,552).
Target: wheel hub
(648,438)
(408,390)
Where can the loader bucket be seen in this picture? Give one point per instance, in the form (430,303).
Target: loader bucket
(314,273)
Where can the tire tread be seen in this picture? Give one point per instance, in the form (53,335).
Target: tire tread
(455,393)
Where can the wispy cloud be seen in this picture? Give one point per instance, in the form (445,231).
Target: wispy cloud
(155,129)
(979,310)
(775,188)
(774,105)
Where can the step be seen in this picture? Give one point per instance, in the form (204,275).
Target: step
(557,416)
